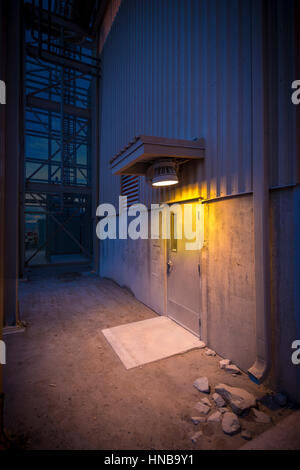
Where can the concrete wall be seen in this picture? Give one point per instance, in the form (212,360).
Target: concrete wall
(229,282)
(138,265)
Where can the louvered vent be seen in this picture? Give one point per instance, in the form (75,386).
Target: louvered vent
(130,187)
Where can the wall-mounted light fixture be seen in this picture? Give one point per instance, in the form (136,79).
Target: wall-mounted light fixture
(157,158)
(164,174)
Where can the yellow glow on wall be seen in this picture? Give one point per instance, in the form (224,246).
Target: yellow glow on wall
(185,193)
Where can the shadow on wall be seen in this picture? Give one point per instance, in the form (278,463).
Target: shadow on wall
(285,282)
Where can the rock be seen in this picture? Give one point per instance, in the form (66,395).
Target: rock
(246,434)
(224,363)
(238,398)
(202,409)
(218,400)
(230,423)
(215,417)
(201,384)
(198,419)
(268,401)
(280,399)
(223,410)
(196,436)
(261,417)
(232,368)
(210,352)
(205,401)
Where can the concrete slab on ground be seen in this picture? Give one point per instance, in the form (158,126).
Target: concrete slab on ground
(150,340)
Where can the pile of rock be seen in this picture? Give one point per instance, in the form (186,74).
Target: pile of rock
(238,399)
(229,403)
(228,367)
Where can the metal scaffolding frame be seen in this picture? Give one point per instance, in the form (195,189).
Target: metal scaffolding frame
(61,74)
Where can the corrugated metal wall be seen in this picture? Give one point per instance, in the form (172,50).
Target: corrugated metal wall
(281,69)
(182,69)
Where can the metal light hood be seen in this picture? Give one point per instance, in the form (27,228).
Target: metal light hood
(143,151)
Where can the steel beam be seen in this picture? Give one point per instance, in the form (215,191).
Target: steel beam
(62,226)
(39,248)
(22,151)
(11,256)
(55,153)
(54,106)
(2,197)
(57,22)
(46,188)
(58,59)
(60,82)
(99,16)
(55,84)
(95,149)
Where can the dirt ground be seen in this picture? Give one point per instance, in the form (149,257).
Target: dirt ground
(67,389)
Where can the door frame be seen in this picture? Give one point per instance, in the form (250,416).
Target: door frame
(202,283)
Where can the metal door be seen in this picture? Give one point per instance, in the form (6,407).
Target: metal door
(183,278)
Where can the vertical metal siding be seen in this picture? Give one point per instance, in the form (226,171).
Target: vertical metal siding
(182,69)
(281,74)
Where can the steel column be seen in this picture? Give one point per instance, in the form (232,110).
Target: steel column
(11,255)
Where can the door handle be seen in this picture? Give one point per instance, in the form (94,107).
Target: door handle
(169,266)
